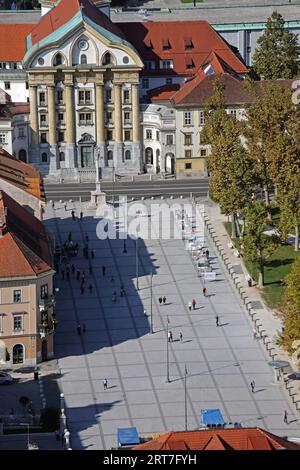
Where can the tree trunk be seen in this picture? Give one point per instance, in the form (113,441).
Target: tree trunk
(297,238)
(261,276)
(267,202)
(233,226)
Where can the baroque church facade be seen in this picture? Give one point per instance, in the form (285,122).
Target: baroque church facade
(83,79)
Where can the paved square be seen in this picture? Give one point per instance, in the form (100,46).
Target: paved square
(117,345)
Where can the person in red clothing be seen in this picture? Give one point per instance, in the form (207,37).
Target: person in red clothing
(194,304)
(204,290)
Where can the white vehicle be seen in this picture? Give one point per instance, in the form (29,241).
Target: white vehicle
(5,378)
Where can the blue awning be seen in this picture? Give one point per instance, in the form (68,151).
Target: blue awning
(211,417)
(128,436)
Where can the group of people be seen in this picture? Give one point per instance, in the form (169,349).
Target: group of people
(170,336)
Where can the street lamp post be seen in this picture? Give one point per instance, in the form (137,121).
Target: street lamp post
(137,262)
(185,398)
(151,304)
(168,372)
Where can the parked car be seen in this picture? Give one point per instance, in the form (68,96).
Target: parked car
(5,378)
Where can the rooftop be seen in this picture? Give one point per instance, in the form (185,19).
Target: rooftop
(24,243)
(21,175)
(223,439)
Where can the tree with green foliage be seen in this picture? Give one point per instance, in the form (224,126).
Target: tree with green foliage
(289,310)
(277,53)
(264,131)
(229,167)
(257,246)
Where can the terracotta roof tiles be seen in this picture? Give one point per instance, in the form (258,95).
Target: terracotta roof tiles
(24,242)
(12,41)
(221,439)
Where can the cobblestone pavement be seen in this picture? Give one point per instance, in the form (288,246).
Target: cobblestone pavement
(117,345)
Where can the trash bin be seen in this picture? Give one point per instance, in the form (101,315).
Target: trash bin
(36,374)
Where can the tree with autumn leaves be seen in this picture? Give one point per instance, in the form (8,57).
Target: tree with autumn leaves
(289,310)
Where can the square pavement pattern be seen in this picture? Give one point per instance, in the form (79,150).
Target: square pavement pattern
(117,345)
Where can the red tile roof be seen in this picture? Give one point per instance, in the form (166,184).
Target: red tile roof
(12,41)
(21,174)
(223,439)
(163,93)
(201,87)
(203,37)
(24,243)
(64,12)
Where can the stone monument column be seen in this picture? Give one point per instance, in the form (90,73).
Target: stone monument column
(70,129)
(53,167)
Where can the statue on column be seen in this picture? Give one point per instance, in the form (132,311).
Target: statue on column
(97,165)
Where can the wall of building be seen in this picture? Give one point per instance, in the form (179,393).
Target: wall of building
(6,131)
(28,308)
(31,203)
(17,91)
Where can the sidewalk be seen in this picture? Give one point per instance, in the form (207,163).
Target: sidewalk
(264,321)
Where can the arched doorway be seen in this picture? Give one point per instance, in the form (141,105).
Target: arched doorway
(23,155)
(44,350)
(18,354)
(170,163)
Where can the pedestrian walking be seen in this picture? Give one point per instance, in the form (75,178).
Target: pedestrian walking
(103,271)
(57,434)
(78,275)
(285,417)
(53,205)
(190,306)
(63,274)
(73,215)
(252,385)
(92,254)
(160,300)
(254,334)
(207,254)
(68,274)
(180,337)
(83,328)
(81,215)
(217,320)
(83,276)
(114,296)
(65,206)
(145,312)
(70,236)
(112,279)
(82,289)
(204,290)
(104,381)
(86,237)
(79,328)
(194,304)
(170,336)
(164,299)
(91,288)
(72,268)
(90,269)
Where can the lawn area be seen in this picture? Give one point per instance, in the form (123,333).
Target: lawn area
(278,266)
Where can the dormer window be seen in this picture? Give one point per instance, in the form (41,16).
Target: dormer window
(148,43)
(58,60)
(166,44)
(83,59)
(188,44)
(189,63)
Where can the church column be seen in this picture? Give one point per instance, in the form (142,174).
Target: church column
(70,129)
(70,115)
(136,135)
(135,113)
(118,113)
(53,167)
(51,114)
(118,137)
(34,124)
(100,113)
